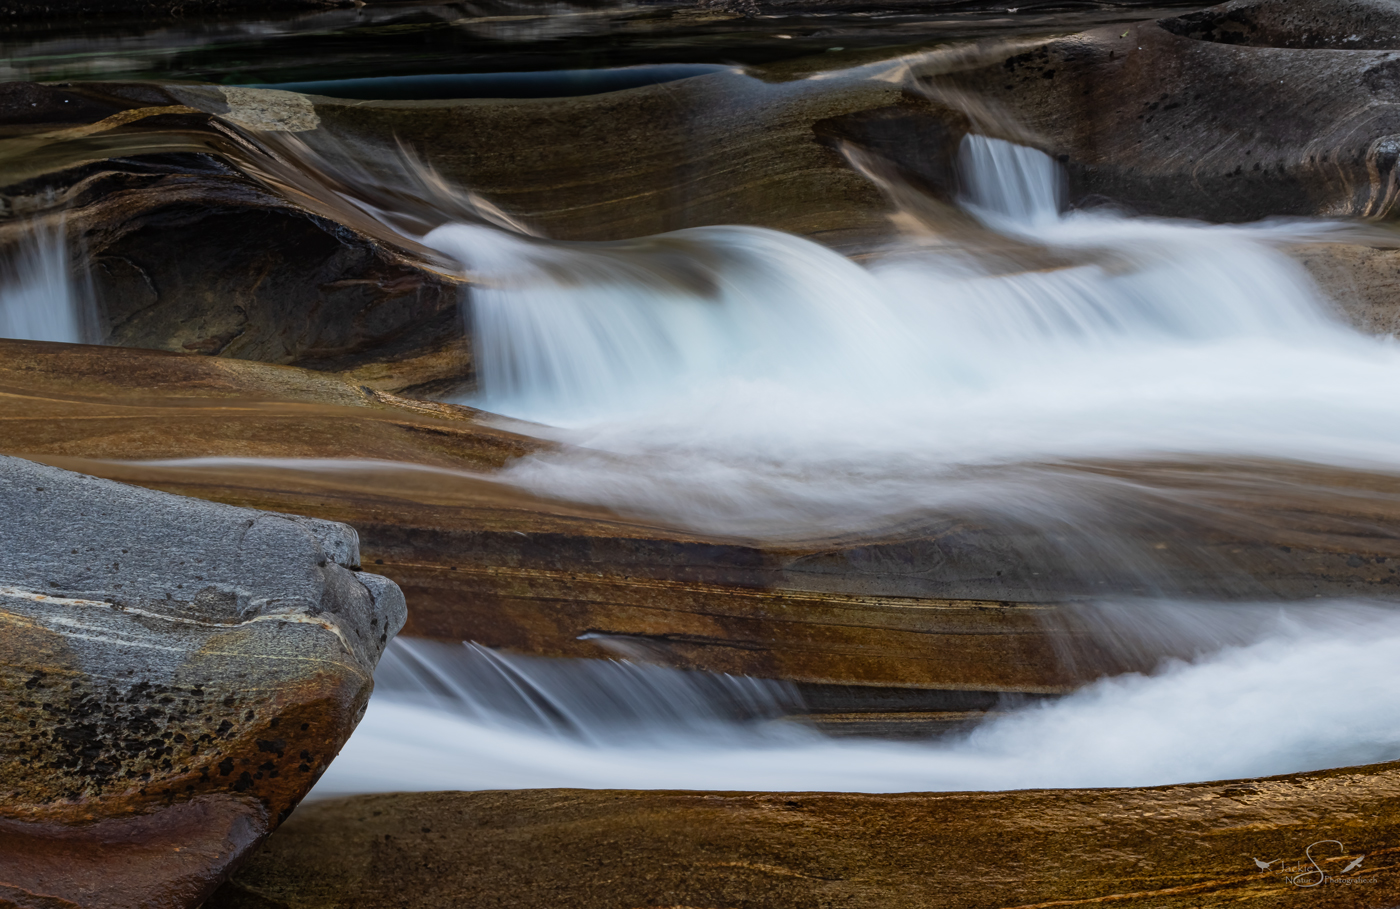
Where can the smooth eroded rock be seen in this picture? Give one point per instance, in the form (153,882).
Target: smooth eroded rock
(961,599)
(1156,118)
(1171,846)
(269,266)
(174,676)
(1333,24)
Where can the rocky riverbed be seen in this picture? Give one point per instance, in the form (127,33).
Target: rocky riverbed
(923,364)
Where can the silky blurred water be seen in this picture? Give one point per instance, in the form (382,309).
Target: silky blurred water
(1269,690)
(40,299)
(740,380)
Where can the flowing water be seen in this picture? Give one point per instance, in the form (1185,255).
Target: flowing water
(738,380)
(40,300)
(743,382)
(1303,689)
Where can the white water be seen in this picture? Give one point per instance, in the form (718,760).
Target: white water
(1306,689)
(742,380)
(39,300)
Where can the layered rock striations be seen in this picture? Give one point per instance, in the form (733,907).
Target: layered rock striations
(1234,113)
(1168,118)
(963,599)
(174,677)
(1171,846)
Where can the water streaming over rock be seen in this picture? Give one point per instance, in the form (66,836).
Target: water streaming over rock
(39,298)
(588,700)
(1269,690)
(739,380)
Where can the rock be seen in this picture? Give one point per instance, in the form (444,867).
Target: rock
(723,148)
(1331,24)
(1172,846)
(1154,118)
(502,36)
(1362,281)
(156,405)
(45,9)
(963,601)
(265,272)
(174,677)
(276,266)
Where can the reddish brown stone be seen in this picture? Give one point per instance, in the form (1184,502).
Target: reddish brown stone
(1170,847)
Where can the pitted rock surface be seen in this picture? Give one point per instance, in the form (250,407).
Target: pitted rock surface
(161,656)
(1333,24)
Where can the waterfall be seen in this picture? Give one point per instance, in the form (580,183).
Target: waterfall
(39,300)
(584,699)
(738,380)
(1010,183)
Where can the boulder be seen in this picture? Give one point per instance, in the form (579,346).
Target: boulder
(174,677)
(1172,846)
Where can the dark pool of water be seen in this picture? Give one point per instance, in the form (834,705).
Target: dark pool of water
(546,84)
(426,38)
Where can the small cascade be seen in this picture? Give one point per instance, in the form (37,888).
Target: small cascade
(39,299)
(738,380)
(585,699)
(1252,691)
(566,331)
(1003,181)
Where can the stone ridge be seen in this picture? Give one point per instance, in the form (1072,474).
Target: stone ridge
(154,551)
(1170,847)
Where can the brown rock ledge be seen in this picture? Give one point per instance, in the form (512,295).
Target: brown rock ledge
(1171,847)
(959,600)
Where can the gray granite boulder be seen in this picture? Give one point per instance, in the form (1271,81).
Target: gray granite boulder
(174,676)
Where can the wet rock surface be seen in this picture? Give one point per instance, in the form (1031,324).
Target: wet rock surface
(175,676)
(1167,124)
(264,272)
(961,601)
(1175,846)
(1333,24)
(40,9)
(276,267)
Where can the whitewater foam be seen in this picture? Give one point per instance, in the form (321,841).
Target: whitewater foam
(741,380)
(1304,689)
(39,299)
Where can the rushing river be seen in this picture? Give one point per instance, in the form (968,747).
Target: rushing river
(740,381)
(1314,688)
(733,379)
